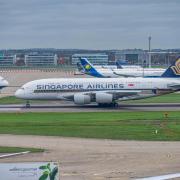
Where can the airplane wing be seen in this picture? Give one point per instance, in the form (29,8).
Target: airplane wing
(174,86)
(123,75)
(123,93)
(163,177)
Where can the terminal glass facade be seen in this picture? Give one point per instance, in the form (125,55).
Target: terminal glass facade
(7,60)
(96,59)
(41,60)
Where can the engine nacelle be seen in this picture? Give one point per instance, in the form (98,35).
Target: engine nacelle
(82,99)
(104,98)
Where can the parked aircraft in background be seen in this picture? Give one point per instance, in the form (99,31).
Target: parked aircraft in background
(3,82)
(103,91)
(120,64)
(80,67)
(135,71)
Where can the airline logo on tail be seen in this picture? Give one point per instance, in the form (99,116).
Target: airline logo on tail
(87,67)
(176,68)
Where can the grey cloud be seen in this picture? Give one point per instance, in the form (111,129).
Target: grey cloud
(88,23)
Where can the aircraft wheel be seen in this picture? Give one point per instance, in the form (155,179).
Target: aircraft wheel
(116,105)
(28,104)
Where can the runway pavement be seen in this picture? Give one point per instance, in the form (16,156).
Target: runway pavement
(70,107)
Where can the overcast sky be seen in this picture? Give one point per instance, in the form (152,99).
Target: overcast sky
(89,24)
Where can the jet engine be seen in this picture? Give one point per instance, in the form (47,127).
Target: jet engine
(104,98)
(82,99)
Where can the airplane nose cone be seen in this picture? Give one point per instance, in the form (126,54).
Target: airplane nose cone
(5,83)
(19,93)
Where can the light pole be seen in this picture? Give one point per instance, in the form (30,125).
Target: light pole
(149,39)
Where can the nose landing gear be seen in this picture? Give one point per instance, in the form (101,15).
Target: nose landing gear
(28,105)
(116,105)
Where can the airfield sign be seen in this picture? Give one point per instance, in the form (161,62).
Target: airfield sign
(29,171)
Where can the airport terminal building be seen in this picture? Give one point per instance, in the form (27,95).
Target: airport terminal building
(46,58)
(41,60)
(7,60)
(96,59)
(134,56)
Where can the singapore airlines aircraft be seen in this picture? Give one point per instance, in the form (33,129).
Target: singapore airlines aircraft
(103,91)
(3,83)
(134,71)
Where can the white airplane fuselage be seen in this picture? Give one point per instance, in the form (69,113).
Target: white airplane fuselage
(101,88)
(131,72)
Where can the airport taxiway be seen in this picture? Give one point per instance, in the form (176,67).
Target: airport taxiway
(70,107)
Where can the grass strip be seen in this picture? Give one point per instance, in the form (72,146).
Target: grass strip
(105,125)
(4,149)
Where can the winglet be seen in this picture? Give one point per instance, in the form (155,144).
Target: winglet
(89,68)
(173,71)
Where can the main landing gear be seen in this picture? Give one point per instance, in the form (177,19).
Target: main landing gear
(114,104)
(28,105)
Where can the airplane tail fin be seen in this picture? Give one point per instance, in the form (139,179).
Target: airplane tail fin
(118,65)
(89,68)
(80,68)
(121,62)
(173,71)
